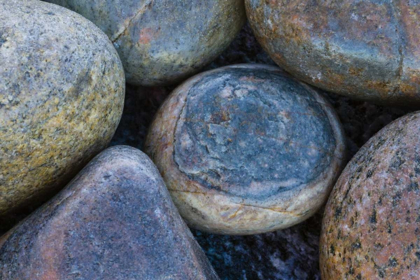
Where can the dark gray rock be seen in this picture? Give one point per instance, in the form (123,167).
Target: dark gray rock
(115,220)
(246,149)
(165,41)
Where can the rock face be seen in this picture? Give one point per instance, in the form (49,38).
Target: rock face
(115,220)
(246,149)
(364,49)
(164,41)
(371,223)
(61,98)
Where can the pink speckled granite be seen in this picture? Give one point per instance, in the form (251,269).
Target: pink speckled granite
(371,223)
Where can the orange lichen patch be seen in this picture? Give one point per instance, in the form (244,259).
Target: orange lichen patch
(146,35)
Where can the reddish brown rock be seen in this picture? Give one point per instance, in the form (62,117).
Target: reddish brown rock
(115,220)
(363,49)
(246,149)
(371,223)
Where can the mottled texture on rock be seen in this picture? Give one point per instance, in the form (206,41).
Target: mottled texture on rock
(115,220)
(61,98)
(290,254)
(246,149)
(164,41)
(371,222)
(363,49)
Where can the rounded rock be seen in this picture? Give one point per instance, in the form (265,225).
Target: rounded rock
(371,222)
(246,149)
(165,41)
(61,97)
(366,50)
(114,221)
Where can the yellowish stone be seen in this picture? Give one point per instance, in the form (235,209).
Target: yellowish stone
(61,97)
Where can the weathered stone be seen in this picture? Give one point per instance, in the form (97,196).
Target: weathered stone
(371,223)
(165,41)
(246,149)
(363,49)
(61,98)
(115,220)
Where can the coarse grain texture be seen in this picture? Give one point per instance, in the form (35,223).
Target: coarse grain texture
(371,223)
(363,49)
(61,98)
(246,149)
(114,221)
(164,41)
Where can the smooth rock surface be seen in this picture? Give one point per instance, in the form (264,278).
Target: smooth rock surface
(164,41)
(363,49)
(61,98)
(371,223)
(289,254)
(115,220)
(246,149)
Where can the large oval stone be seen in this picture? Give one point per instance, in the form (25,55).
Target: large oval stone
(164,41)
(371,223)
(246,149)
(61,97)
(114,221)
(363,49)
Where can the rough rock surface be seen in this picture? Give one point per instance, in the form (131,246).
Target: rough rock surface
(165,41)
(371,224)
(363,49)
(115,220)
(61,98)
(225,140)
(290,254)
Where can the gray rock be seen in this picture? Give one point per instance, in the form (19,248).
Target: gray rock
(61,98)
(115,220)
(366,50)
(246,149)
(165,41)
(289,254)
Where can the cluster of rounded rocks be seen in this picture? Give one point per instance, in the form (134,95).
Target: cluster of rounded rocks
(239,150)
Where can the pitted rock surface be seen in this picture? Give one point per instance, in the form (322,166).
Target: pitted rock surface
(241,127)
(61,96)
(164,41)
(371,223)
(246,149)
(363,49)
(114,221)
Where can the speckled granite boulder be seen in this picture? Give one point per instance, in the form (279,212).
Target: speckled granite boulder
(163,42)
(246,149)
(61,98)
(114,221)
(363,49)
(371,223)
